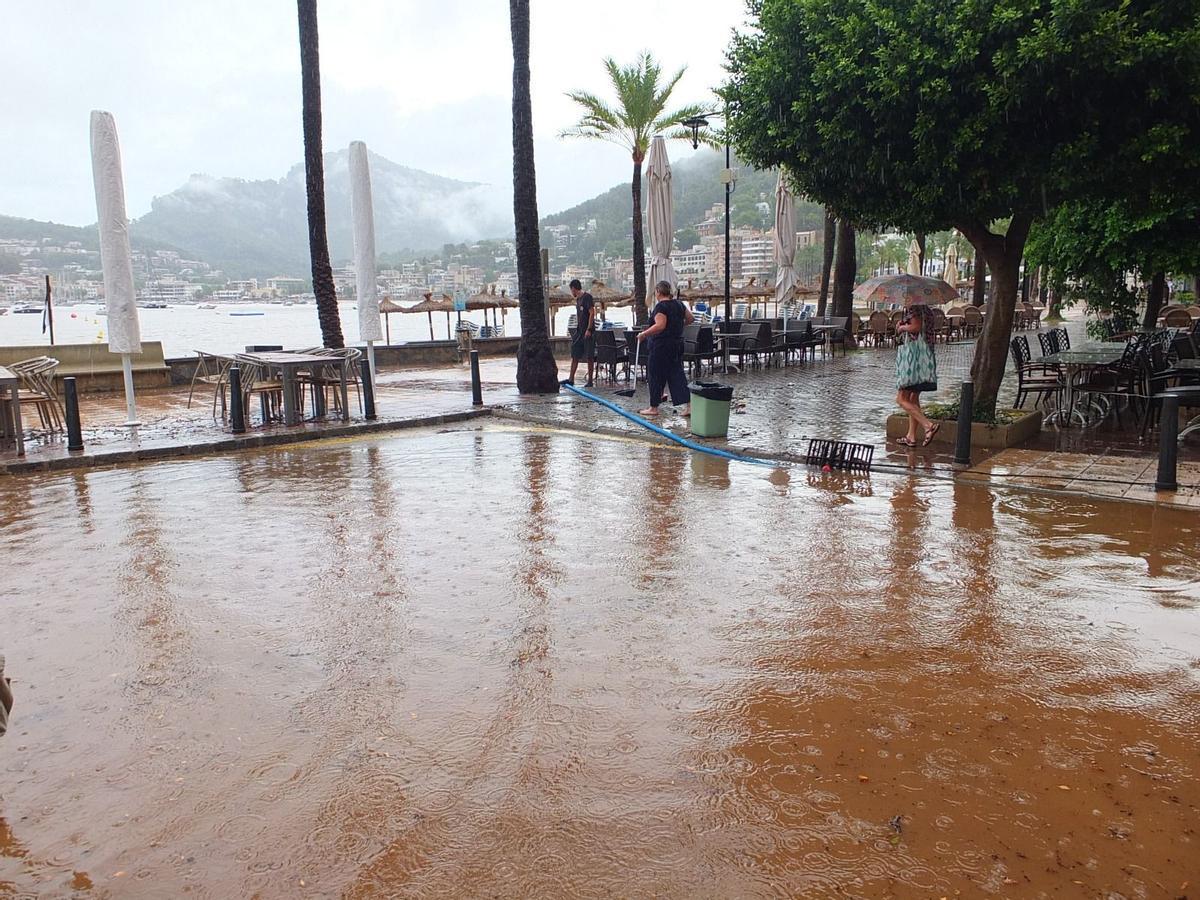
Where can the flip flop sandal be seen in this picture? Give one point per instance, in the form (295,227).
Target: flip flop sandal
(937,426)
(905,442)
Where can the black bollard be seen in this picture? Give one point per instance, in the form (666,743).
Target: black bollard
(476,386)
(368,388)
(71,401)
(1168,445)
(966,409)
(237,414)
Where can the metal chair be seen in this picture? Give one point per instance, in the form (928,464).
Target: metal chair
(1039,379)
(609,354)
(36,377)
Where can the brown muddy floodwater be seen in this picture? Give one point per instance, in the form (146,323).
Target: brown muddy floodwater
(508,663)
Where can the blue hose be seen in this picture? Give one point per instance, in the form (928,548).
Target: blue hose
(691,445)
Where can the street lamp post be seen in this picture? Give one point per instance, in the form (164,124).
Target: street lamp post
(695,123)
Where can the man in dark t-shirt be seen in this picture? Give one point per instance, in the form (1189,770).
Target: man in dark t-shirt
(583,342)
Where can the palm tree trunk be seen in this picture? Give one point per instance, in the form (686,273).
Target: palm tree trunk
(537,373)
(921,245)
(314,177)
(845,270)
(639,247)
(827,260)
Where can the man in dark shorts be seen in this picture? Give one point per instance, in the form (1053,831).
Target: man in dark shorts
(583,343)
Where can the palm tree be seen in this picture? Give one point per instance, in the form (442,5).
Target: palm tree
(642,97)
(537,372)
(314,176)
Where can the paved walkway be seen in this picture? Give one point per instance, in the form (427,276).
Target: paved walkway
(778,410)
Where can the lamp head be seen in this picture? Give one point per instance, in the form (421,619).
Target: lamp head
(695,123)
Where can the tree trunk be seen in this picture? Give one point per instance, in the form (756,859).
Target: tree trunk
(1002,254)
(537,373)
(979,275)
(827,261)
(921,245)
(1025,288)
(845,270)
(1043,284)
(1155,299)
(314,177)
(639,247)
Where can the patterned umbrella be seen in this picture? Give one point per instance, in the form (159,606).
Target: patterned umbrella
(905,290)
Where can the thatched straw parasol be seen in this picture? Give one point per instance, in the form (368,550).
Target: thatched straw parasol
(387,306)
(752,292)
(694,292)
(606,296)
(429,306)
(559,296)
(488,299)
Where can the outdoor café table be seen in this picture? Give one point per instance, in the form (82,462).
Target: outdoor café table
(10,422)
(1085,356)
(288,364)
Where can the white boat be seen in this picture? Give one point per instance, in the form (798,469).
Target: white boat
(26,308)
(3,310)
(206,306)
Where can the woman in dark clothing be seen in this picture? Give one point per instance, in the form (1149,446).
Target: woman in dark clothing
(664,367)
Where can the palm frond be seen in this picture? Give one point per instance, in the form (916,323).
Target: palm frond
(596,134)
(675,117)
(637,114)
(663,94)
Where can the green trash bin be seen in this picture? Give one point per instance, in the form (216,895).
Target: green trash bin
(710,408)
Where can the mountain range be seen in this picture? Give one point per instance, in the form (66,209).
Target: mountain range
(256,227)
(259,228)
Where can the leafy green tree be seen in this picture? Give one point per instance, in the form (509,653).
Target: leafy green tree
(537,372)
(638,115)
(926,114)
(1092,246)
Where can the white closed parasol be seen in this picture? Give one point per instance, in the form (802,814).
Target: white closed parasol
(914,258)
(785,246)
(950,276)
(120,297)
(363,214)
(659,213)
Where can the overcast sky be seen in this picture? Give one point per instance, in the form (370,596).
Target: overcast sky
(213,87)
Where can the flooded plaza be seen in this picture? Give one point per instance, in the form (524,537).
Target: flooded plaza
(509,662)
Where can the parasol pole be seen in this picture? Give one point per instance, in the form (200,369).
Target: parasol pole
(429,312)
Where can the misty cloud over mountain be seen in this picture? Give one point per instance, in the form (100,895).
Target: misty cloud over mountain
(260,227)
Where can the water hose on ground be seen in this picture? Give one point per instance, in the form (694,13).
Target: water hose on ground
(725,454)
(650,426)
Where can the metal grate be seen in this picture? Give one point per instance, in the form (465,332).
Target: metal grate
(840,455)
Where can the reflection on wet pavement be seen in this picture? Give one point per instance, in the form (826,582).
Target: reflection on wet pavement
(511,662)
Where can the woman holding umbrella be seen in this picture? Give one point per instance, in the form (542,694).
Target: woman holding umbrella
(916,371)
